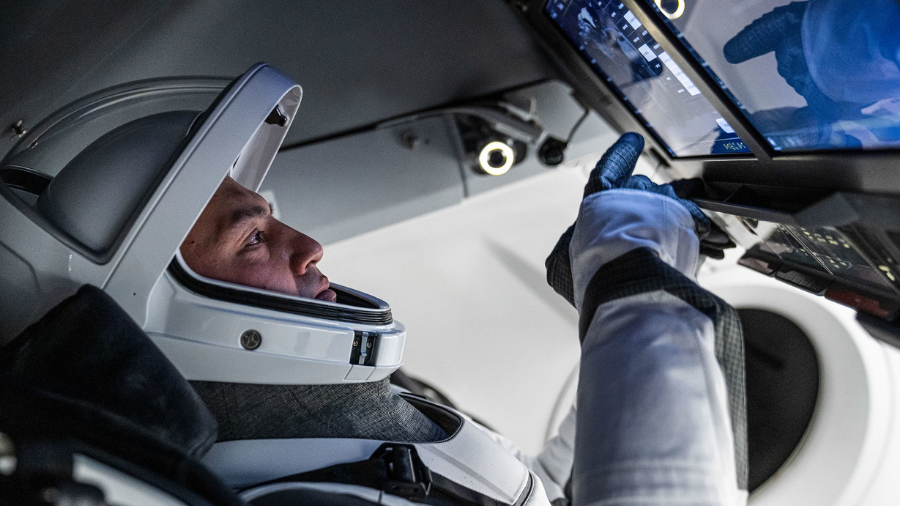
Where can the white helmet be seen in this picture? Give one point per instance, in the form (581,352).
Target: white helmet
(104,191)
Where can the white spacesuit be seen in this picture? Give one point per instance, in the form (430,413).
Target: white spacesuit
(652,423)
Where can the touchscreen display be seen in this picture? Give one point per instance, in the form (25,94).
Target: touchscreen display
(820,74)
(613,41)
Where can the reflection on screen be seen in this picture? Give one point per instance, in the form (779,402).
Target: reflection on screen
(823,248)
(822,260)
(821,74)
(615,43)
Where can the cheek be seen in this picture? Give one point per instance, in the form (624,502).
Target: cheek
(272,273)
(206,264)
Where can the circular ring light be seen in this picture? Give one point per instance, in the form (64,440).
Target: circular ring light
(484,158)
(671,15)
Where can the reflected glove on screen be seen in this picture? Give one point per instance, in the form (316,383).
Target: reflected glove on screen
(613,171)
(780,31)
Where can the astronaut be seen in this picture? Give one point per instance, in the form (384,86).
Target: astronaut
(294,368)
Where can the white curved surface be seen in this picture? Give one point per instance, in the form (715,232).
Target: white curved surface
(118,487)
(469,458)
(851,445)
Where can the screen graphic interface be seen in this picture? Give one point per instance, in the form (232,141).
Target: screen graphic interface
(612,40)
(821,74)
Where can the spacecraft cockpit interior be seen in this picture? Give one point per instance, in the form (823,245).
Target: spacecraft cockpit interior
(789,113)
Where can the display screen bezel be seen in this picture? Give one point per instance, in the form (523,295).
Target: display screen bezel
(660,135)
(869,171)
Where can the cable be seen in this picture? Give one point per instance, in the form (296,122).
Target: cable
(577,124)
(552,150)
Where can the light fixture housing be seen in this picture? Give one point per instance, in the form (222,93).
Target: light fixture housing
(496,158)
(488,149)
(679,9)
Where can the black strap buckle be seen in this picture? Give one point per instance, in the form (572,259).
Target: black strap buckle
(408,476)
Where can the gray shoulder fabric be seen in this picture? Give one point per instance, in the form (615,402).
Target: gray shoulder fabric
(368,410)
(95,195)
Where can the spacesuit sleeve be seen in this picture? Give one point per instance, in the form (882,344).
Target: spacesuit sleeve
(554,464)
(654,418)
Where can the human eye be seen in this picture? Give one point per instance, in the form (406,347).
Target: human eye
(256,238)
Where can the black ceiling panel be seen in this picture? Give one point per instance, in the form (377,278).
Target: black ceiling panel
(358,61)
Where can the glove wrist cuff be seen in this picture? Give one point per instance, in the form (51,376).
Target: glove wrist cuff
(614,222)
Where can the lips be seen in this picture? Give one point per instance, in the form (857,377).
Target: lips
(327,295)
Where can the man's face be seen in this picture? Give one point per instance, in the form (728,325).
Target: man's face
(237,240)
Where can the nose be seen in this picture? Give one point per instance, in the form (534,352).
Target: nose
(305,252)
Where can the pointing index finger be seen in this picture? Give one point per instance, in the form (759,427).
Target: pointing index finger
(618,162)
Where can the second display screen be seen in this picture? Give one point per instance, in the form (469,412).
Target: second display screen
(614,42)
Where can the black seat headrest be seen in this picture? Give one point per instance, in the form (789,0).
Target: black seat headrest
(86,370)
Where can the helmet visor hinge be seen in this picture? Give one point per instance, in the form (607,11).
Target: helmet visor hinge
(364,346)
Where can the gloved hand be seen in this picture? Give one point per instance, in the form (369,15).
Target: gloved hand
(714,241)
(614,171)
(780,31)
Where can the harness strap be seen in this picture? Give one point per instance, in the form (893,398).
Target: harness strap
(397,470)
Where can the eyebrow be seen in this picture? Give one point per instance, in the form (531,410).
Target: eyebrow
(240,216)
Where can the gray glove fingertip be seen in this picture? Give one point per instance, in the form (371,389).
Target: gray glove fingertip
(715,254)
(717,236)
(701,221)
(618,162)
(639,182)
